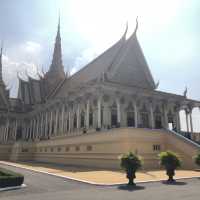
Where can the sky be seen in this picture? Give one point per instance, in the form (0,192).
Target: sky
(169,34)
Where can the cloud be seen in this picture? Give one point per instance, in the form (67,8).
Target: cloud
(32,47)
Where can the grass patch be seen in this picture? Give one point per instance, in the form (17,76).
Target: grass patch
(9,178)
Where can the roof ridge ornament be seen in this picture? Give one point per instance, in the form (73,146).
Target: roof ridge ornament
(126,30)
(18,76)
(38,73)
(136,27)
(157,84)
(185,92)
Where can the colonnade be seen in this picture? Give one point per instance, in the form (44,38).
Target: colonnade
(85,114)
(8,131)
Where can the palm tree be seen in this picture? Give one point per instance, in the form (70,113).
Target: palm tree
(130,163)
(171,162)
(197,159)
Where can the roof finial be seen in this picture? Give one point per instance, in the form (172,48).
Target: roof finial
(57,65)
(185,92)
(59,21)
(126,30)
(136,27)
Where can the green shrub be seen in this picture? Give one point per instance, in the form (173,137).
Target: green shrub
(197,159)
(171,162)
(9,178)
(130,163)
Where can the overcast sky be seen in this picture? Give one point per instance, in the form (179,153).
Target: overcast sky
(169,34)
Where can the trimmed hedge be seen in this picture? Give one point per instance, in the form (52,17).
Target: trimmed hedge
(10,179)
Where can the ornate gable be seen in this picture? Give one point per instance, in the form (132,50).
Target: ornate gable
(131,67)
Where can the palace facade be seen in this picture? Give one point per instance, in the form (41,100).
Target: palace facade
(113,93)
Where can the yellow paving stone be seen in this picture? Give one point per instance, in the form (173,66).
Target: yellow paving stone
(101,176)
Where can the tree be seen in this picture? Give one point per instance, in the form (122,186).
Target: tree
(130,163)
(171,162)
(197,159)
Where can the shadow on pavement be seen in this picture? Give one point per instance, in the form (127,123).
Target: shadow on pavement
(131,188)
(174,183)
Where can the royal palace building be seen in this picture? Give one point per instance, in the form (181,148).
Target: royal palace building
(110,106)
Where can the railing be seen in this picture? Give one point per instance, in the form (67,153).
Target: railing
(189,137)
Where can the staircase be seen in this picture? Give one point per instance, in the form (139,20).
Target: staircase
(186,148)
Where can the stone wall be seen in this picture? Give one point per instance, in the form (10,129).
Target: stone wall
(102,149)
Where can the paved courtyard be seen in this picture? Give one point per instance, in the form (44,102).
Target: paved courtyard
(46,187)
(100,176)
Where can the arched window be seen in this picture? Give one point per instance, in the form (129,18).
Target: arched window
(158,118)
(144,115)
(75,121)
(19,133)
(90,117)
(82,119)
(52,129)
(130,115)
(67,126)
(114,115)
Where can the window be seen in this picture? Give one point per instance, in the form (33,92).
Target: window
(77,148)
(59,149)
(156,147)
(51,149)
(89,148)
(82,119)
(114,115)
(24,150)
(67,149)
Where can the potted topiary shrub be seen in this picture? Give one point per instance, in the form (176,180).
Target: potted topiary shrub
(170,161)
(130,162)
(197,159)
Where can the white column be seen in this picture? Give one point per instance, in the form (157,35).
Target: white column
(37,132)
(34,127)
(118,111)
(33,132)
(45,124)
(69,125)
(56,123)
(41,125)
(3,135)
(178,126)
(1,140)
(62,120)
(99,113)
(7,129)
(50,124)
(135,114)
(5,132)
(191,122)
(166,118)
(187,123)
(66,121)
(152,116)
(78,117)
(106,116)
(29,129)
(87,114)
